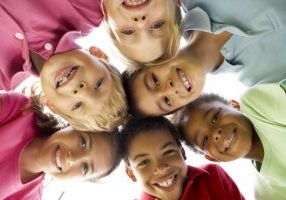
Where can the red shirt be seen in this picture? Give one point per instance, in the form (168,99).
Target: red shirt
(209,182)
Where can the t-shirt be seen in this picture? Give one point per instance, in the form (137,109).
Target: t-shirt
(265,106)
(16,131)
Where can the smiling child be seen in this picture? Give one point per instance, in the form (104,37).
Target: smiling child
(155,158)
(222,133)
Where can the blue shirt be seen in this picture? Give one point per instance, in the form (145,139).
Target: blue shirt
(256,52)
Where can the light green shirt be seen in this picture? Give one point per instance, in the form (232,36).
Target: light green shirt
(256,52)
(265,106)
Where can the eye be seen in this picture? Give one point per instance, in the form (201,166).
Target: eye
(155,80)
(167,101)
(128,31)
(169,152)
(77,106)
(143,163)
(157,25)
(205,141)
(215,117)
(82,143)
(99,83)
(84,169)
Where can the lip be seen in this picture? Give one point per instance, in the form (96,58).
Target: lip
(229,143)
(185,80)
(169,188)
(64,72)
(128,6)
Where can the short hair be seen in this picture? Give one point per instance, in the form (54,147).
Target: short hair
(113,113)
(135,127)
(171,49)
(180,117)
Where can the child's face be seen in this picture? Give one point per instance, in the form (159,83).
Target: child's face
(157,163)
(141,27)
(218,130)
(70,154)
(161,89)
(76,84)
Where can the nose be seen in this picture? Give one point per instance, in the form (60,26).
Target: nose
(171,87)
(139,18)
(80,87)
(217,134)
(162,168)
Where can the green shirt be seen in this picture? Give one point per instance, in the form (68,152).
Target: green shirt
(265,106)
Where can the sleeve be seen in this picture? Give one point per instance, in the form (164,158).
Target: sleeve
(266,101)
(12,105)
(223,182)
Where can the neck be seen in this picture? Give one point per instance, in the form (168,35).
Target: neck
(30,166)
(37,62)
(256,153)
(206,48)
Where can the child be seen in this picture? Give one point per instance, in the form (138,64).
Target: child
(33,145)
(222,133)
(223,36)
(155,158)
(34,32)
(140,34)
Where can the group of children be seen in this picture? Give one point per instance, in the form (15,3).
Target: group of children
(81,86)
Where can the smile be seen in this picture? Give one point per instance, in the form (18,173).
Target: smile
(229,141)
(187,84)
(58,160)
(65,76)
(167,184)
(134,3)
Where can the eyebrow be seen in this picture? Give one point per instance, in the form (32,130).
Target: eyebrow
(139,156)
(207,113)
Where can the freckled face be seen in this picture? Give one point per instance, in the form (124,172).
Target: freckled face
(219,131)
(158,164)
(140,25)
(70,154)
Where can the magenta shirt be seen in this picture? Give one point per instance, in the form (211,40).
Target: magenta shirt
(209,182)
(40,26)
(16,131)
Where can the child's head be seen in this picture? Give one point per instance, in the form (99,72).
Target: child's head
(161,89)
(141,34)
(84,89)
(215,127)
(154,157)
(71,154)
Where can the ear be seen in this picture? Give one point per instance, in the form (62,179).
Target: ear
(98,53)
(210,158)
(183,153)
(234,104)
(46,102)
(129,173)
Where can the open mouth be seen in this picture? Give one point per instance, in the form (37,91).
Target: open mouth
(229,141)
(167,184)
(58,159)
(185,81)
(135,3)
(65,76)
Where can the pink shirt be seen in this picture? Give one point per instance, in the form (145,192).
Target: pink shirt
(39,26)
(209,182)
(16,131)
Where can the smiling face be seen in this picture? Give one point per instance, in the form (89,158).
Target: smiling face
(158,90)
(70,154)
(158,164)
(137,28)
(76,84)
(219,131)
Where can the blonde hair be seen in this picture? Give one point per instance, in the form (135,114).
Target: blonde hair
(172,47)
(113,113)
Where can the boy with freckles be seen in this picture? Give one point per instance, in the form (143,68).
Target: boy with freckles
(155,158)
(222,133)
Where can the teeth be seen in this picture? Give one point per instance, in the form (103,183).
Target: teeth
(134,2)
(229,141)
(58,161)
(166,183)
(185,80)
(66,77)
